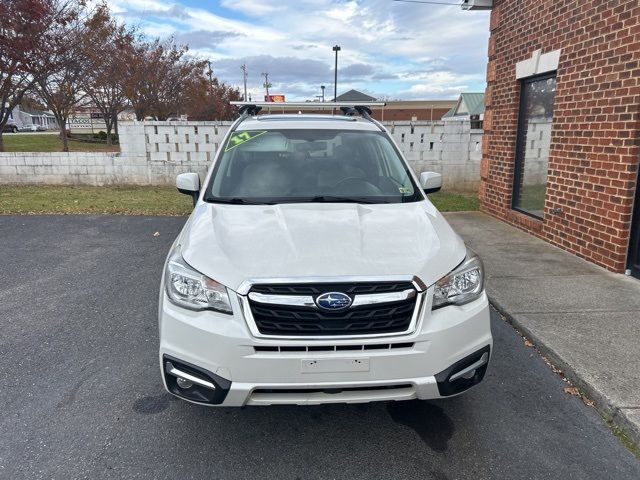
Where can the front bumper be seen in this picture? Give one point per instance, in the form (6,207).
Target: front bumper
(255,371)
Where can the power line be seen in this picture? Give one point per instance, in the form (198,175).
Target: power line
(428,2)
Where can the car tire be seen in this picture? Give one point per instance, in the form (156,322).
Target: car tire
(14,130)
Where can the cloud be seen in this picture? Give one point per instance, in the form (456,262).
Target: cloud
(281,69)
(356,70)
(253,7)
(394,49)
(205,38)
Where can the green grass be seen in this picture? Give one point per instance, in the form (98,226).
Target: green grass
(138,200)
(134,200)
(45,142)
(454,202)
(624,438)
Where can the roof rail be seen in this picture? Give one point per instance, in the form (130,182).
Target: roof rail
(313,105)
(348,108)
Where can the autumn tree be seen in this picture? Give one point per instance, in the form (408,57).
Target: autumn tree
(160,74)
(208,99)
(63,65)
(103,82)
(22,27)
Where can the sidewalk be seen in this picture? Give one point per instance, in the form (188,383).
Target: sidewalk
(585,319)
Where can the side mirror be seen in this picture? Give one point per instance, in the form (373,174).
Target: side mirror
(430,182)
(189,184)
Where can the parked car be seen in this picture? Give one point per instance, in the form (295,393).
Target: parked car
(32,128)
(10,126)
(314,269)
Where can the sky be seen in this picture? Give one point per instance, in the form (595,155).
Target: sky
(391,50)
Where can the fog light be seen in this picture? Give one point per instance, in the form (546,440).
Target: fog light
(469,372)
(184,383)
(185,379)
(194,383)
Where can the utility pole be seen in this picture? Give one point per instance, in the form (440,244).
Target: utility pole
(266,83)
(336,48)
(322,87)
(210,75)
(243,67)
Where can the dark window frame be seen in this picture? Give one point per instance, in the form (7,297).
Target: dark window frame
(521,141)
(633,252)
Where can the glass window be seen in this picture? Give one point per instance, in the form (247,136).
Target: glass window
(534,140)
(306,165)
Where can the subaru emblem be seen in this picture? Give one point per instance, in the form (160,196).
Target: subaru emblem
(333,301)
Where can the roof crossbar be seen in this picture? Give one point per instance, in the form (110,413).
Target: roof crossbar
(305,105)
(250,109)
(363,110)
(349,109)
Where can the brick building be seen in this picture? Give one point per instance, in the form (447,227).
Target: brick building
(399,110)
(413,110)
(562,124)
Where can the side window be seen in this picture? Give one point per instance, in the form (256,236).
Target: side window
(533,143)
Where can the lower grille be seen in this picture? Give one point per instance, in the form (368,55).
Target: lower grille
(305,320)
(332,390)
(333,348)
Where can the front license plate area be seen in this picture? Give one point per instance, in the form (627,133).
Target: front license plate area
(334,365)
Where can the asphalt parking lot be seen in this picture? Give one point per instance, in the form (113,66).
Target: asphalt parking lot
(82,396)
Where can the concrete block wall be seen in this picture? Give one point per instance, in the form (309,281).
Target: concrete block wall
(75,168)
(536,154)
(451,148)
(153,153)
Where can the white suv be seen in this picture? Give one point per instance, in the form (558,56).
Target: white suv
(314,269)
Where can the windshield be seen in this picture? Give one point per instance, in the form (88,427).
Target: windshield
(297,166)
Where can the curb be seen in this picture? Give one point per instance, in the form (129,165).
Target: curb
(602,403)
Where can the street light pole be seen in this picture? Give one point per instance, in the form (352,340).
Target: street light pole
(336,49)
(322,87)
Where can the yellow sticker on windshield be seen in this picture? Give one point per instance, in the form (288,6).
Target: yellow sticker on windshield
(238,138)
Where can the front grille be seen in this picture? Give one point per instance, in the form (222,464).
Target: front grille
(320,288)
(287,320)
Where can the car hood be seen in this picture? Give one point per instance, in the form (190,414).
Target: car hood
(234,243)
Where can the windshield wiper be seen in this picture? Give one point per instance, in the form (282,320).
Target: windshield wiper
(336,199)
(236,201)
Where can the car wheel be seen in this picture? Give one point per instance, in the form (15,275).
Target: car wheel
(14,130)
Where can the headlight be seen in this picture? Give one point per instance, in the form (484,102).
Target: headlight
(191,289)
(462,285)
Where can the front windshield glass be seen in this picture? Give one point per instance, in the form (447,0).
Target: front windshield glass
(297,166)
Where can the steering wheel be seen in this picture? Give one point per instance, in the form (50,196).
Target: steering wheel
(369,188)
